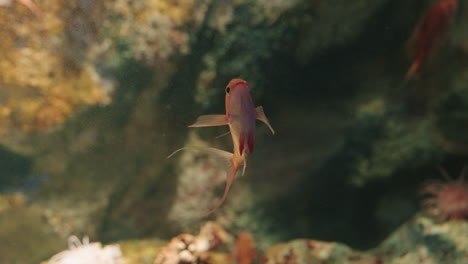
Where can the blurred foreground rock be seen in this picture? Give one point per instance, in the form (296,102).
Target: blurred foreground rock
(421,241)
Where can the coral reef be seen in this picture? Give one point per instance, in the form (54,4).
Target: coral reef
(84,252)
(419,241)
(41,85)
(447,200)
(187,248)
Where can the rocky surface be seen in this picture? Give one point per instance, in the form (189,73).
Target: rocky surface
(421,240)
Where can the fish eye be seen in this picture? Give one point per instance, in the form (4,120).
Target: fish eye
(228,90)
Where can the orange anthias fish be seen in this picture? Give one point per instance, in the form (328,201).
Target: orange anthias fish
(240,117)
(430,32)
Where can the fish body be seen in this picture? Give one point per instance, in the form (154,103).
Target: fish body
(240,117)
(430,32)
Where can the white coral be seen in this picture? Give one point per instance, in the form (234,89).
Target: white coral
(86,253)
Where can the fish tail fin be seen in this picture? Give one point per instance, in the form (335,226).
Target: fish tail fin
(230,180)
(262,117)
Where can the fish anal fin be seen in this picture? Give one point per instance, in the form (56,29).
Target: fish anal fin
(210,120)
(262,117)
(241,142)
(221,155)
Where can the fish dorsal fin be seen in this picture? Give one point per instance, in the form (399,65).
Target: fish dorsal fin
(210,120)
(262,117)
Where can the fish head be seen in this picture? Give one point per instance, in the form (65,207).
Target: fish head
(235,88)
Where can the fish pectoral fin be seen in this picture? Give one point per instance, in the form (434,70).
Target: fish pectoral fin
(262,117)
(210,120)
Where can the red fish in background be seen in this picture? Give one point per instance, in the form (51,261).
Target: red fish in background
(430,32)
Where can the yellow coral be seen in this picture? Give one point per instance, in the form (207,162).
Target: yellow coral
(40,85)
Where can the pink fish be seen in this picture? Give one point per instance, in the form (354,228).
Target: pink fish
(430,32)
(240,117)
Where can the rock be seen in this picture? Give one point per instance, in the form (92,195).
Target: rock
(187,248)
(421,240)
(84,252)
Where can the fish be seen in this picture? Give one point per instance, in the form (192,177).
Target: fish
(429,33)
(240,116)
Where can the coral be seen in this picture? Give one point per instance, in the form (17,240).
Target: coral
(421,240)
(187,248)
(41,84)
(85,252)
(153,29)
(13,200)
(447,200)
(424,240)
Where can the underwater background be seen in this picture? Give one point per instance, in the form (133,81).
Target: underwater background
(366,165)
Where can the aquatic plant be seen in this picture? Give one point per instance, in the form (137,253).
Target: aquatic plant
(82,252)
(447,200)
